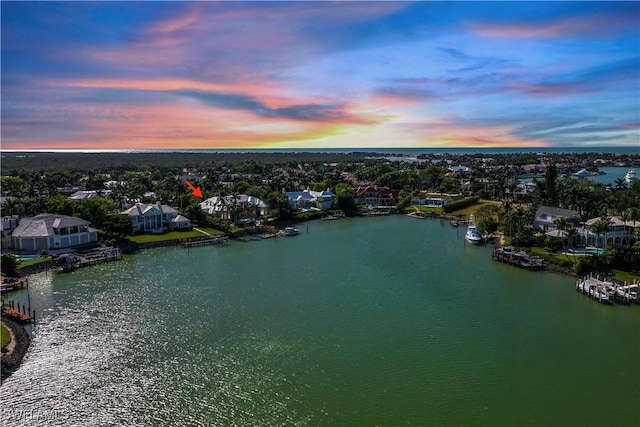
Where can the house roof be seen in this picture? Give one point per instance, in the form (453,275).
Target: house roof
(141,209)
(552,212)
(84,194)
(219,203)
(181,218)
(308,194)
(613,221)
(43,225)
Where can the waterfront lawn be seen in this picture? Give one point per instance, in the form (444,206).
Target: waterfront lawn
(570,261)
(27,263)
(5,337)
(466,212)
(173,235)
(626,276)
(561,259)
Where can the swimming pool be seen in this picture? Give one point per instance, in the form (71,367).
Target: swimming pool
(586,251)
(27,257)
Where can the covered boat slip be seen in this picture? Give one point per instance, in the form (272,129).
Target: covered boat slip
(608,291)
(509,255)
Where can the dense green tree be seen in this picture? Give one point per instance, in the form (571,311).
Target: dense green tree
(96,210)
(62,205)
(279,202)
(344,197)
(117,226)
(550,185)
(9,265)
(12,185)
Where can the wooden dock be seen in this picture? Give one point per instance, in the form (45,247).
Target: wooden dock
(607,290)
(13,312)
(70,262)
(12,283)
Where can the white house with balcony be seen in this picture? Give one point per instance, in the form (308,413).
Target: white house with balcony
(239,207)
(309,198)
(546,216)
(156,218)
(618,233)
(51,231)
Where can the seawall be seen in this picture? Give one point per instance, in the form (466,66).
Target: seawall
(16,349)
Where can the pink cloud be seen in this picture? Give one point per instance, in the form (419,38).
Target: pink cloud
(579,25)
(451,133)
(177,22)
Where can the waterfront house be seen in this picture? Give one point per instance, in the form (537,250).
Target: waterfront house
(235,208)
(51,231)
(546,215)
(155,218)
(311,199)
(618,233)
(376,196)
(431,200)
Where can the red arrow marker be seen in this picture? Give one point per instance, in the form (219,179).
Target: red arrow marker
(194,190)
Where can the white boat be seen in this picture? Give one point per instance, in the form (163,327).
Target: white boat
(630,176)
(473,236)
(291,231)
(582,173)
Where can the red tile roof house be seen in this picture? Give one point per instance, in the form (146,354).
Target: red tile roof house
(374,195)
(51,231)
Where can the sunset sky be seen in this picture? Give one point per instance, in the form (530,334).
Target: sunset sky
(193,75)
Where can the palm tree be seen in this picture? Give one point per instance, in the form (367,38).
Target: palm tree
(584,217)
(562,224)
(509,216)
(634,215)
(601,226)
(625,216)
(620,184)
(572,232)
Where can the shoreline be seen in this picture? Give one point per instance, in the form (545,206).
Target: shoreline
(15,350)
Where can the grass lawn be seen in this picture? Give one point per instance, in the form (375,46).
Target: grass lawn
(5,338)
(210,230)
(27,263)
(172,235)
(568,261)
(468,210)
(626,276)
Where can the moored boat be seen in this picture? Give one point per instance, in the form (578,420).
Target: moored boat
(473,236)
(630,176)
(582,173)
(291,231)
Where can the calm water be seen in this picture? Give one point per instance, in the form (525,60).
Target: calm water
(373,321)
(609,177)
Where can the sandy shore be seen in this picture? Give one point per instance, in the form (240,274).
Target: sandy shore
(14,352)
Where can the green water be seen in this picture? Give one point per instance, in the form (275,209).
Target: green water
(373,321)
